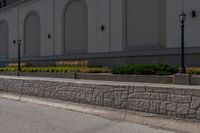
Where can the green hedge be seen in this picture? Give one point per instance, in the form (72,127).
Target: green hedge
(138,69)
(142,69)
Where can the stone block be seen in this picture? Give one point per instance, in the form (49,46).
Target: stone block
(149,89)
(124,94)
(96,92)
(139,89)
(108,95)
(181,116)
(193,92)
(198,112)
(142,103)
(180,91)
(183,109)
(88,98)
(182,79)
(168,106)
(131,89)
(73,95)
(117,101)
(124,105)
(117,95)
(108,102)
(163,112)
(195,103)
(87,90)
(164,90)
(191,117)
(192,112)
(170,113)
(195,80)
(154,106)
(151,96)
(80,96)
(135,95)
(135,108)
(165,96)
(181,98)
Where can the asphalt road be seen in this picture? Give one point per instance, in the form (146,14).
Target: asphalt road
(18,117)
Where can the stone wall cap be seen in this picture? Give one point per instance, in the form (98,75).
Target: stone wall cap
(101,82)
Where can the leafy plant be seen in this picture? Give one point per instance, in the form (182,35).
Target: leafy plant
(145,69)
(59,69)
(193,70)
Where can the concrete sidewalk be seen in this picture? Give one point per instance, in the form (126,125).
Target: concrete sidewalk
(119,117)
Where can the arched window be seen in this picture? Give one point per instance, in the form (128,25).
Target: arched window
(75,27)
(4,36)
(32,35)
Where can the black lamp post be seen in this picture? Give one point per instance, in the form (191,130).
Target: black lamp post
(19,58)
(182,18)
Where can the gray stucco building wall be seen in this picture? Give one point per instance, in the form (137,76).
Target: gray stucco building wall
(104,32)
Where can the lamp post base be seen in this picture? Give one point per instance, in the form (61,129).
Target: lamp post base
(182,70)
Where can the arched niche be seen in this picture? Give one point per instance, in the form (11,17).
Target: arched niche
(143,25)
(75,27)
(32,35)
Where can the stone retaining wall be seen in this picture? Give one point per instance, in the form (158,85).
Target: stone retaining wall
(171,100)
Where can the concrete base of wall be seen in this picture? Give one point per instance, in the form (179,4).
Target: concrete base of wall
(100,76)
(168,56)
(170,100)
(180,79)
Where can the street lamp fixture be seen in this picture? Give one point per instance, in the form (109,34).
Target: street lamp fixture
(182,18)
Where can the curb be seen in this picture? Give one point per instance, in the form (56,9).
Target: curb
(82,108)
(173,124)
